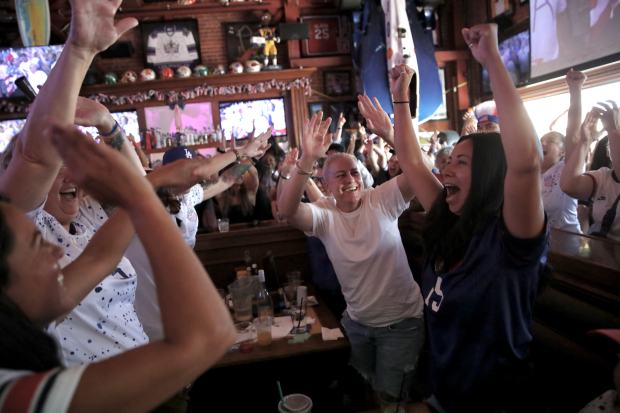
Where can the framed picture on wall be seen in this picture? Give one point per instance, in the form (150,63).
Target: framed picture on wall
(327,35)
(337,82)
(500,7)
(239,45)
(333,110)
(171,43)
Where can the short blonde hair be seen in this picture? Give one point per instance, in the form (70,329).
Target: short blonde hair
(331,158)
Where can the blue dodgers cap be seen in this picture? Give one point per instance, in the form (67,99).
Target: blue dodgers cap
(176,153)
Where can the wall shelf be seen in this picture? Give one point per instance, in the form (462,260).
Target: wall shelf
(173,10)
(184,83)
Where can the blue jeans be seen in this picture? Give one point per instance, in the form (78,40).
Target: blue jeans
(386,356)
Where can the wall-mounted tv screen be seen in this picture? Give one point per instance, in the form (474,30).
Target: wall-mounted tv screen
(194,118)
(573,33)
(8,129)
(515,52)
(128,120)
(239,119)
(33,62)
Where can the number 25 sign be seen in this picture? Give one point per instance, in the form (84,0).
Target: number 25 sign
(324,36)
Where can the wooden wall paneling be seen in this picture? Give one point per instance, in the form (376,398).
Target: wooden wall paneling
(291,15)
(220,253)
(299,111)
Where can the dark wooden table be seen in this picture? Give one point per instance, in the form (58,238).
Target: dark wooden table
(281,348)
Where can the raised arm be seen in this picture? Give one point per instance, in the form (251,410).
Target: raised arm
(341,121)
(377,120)
(255,147)
(197,325)
(418,176)
(573,181)
(609,114)
(35,163)
(315,142)
(92,113)
(523,210)
(575,80)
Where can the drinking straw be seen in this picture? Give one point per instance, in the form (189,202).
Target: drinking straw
(301,306)
(280,390)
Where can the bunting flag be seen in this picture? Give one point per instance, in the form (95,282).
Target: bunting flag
(429,87)
(369,58)
(400,48)
(388,34)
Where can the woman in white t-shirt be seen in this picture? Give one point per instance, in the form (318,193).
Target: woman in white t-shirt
(603,185)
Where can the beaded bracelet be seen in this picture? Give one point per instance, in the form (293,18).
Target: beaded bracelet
(117,141)
(300,170)
(112,132)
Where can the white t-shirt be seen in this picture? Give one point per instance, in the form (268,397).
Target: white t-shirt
(147,305)
(368,256)
(561,209)
(187,216)
(46,392)
(607,190)
(105,322)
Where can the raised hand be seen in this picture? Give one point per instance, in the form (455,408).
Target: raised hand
(119,185)
(400,78)
(235,172)
(93,28)
(92,113)
(575,79)
(588,127)
(315,139)
(256,147)
(341,120)
(377,120)
(287,165)
(609,114)
(482,41)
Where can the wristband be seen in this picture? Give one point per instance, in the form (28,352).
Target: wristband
(401,101)
(112,132)
(220,150)
(300,171)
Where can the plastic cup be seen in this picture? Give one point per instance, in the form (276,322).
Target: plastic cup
(263,330)
(223,225)
(242,291)
(295,403)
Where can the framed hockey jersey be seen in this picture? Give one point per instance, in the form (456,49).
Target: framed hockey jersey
(171,43)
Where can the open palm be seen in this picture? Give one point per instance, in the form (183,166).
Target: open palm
(315,139)
(93,28)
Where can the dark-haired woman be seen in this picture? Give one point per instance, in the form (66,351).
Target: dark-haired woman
(485,238)
(32,294)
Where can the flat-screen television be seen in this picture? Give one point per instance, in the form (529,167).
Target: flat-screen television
(8,129)
(33,62)
(128,120)
(240,118)
(573,33)
(189,118)
(515,52)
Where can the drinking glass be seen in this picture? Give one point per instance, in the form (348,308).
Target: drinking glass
(290,293)
(223,225)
